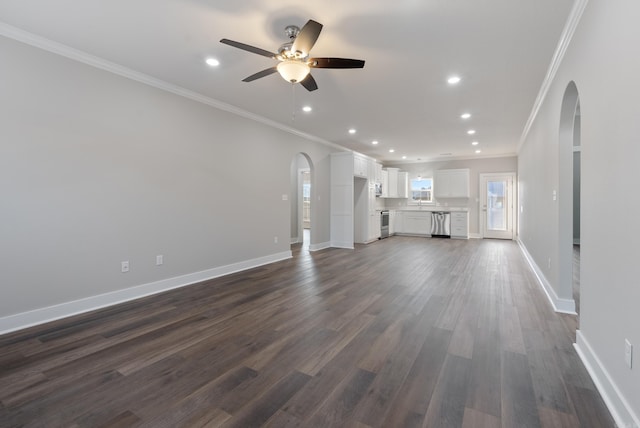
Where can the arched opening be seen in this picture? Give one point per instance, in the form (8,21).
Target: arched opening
(300,197)
(569,197)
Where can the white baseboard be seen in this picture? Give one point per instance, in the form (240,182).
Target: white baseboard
(51,313)
(475,236)
(346,245)
(565,306)
(319,246)
(619,407)
(294,240)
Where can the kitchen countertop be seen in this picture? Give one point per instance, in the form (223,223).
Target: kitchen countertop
(431,208)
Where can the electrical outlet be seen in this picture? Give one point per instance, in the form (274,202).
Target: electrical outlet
(628,353)
(159,259)
(275,239)
(549,263)
(124,266)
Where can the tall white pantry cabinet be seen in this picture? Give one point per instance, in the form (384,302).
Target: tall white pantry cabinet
(354,218)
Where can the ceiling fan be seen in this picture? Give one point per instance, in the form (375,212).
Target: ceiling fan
(295,64)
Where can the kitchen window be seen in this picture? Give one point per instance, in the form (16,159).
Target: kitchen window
(421,190)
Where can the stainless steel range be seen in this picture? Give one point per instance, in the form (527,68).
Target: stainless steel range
(384,224)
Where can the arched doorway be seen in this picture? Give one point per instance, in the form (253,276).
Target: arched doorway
(300,197)
(569,197)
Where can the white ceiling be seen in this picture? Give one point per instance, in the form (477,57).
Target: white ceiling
(500,48)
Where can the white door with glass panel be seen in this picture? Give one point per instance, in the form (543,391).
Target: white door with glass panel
(497,210)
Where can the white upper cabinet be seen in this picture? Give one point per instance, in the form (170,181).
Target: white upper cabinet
(371,170)
(403,184)
(395,183)
(360,166)
(451,183)
(378,174)
(392,185)
(385,184)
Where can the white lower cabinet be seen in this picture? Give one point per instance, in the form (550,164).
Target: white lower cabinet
(413,223)
(375,223)
(392,222)
(460,225)
(419,223)
(398,224)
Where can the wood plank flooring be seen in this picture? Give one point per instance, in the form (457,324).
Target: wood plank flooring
(403,332)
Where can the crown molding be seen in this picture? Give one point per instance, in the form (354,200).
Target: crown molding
(448,158)
(565,39)
(43,43)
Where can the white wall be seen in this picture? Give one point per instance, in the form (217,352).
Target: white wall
(602,60)
(96,169)
(475,166)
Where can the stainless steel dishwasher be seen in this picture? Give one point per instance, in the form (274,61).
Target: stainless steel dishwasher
(441,224)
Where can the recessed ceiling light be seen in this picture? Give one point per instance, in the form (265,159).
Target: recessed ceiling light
(404,157)
(474,143)
(478,151)
(306,109)
(471,131)
(212,62)
(374,142)
(465,115)
(392,150)
(352,131)
(453,80)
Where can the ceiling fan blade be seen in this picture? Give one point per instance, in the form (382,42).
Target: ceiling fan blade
(260,74)
(335,63)
(309,83)
(307,37)
(248,48)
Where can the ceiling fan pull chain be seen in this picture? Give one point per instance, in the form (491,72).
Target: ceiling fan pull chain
(293,102)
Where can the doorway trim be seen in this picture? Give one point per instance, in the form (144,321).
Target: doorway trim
(295,198)
(300,202)
(566,142)
(482,212)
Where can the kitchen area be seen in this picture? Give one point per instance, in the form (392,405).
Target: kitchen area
(425,213)
(439,199)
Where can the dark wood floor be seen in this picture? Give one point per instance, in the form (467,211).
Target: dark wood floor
(404,332)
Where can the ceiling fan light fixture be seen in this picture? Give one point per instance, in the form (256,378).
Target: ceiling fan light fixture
(293,71)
